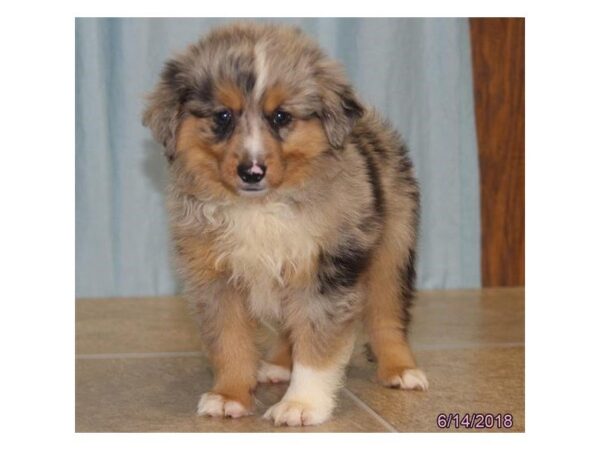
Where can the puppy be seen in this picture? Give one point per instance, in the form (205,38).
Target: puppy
(290,202)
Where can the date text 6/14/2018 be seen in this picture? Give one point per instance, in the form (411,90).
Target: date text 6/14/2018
(474,420)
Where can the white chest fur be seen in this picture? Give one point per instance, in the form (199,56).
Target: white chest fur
(263,246)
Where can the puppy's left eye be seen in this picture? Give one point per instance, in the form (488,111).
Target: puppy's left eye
(280,118)
(222,118)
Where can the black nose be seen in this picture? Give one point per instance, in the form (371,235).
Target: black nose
(251,172)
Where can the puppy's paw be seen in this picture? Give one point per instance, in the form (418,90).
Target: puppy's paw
(272,373)
(296,413)
(215,405)
(405,379)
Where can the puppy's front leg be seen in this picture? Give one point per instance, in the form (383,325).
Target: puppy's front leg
(228,334)
(317,375)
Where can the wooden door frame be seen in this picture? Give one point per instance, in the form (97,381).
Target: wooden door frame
(498,55)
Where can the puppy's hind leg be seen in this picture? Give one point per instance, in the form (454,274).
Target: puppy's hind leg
(277,366)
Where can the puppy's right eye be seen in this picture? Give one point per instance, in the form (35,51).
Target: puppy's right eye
(223,123)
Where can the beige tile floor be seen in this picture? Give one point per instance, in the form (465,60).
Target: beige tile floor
(140,367)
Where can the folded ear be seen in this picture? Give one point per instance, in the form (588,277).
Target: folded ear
(163,111)
(340,107)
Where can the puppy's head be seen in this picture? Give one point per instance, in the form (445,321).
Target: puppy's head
(250,109)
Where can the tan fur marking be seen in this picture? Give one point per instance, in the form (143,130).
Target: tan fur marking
(306,141)
(273,161)
(228,169)
(274,97)
(230,96)
(198,257)
(194,134)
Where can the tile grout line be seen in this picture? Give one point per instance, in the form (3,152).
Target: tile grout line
(388,426)
(466,346)
(427,347)
(139,355)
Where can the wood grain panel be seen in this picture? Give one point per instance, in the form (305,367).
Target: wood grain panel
(498,51)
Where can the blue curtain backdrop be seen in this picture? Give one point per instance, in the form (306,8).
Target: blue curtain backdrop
(417,72)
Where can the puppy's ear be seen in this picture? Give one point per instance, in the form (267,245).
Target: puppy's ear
(340,107)
(163,111)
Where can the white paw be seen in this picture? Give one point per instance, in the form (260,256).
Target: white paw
(271,373)
(216,405)
(410,379)
(295,414)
